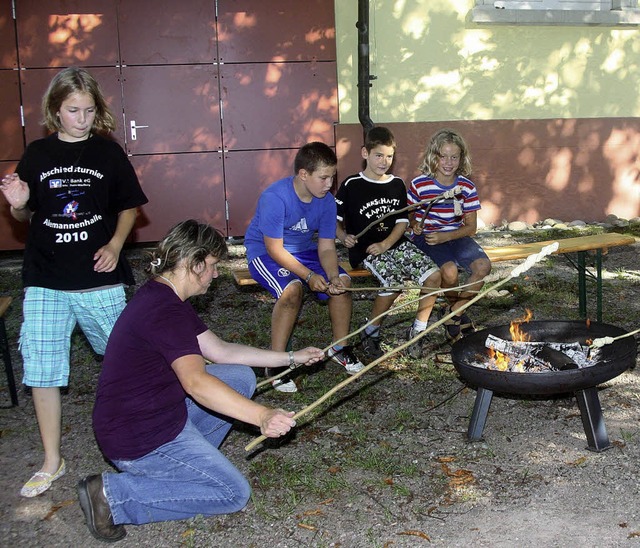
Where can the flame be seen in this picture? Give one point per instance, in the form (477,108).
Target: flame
(501,361)
(514,328)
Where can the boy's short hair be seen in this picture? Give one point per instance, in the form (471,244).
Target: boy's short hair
(379,136)
(314,155)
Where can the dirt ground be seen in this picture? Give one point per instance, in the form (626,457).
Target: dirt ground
(387,461)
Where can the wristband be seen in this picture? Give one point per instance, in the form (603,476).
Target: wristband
(306,280)
(292,361)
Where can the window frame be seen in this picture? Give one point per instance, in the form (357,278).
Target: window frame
(557,12)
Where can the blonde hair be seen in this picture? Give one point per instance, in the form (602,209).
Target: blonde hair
(431,158)
(67,82)
(188,241)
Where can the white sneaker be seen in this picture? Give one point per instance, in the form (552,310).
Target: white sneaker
(288,386)
(346,358)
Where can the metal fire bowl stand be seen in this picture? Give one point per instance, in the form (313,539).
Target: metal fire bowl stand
(590,412)
(616,359)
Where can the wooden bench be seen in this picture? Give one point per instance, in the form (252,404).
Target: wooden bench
(4,349)
(599,243)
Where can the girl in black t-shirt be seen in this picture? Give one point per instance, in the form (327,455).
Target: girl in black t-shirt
(80,194)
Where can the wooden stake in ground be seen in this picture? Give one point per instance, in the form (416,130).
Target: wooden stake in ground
(517,271)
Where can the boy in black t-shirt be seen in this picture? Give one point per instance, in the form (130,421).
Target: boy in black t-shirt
(383,249)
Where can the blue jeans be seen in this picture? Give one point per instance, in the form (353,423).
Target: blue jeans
(188,475)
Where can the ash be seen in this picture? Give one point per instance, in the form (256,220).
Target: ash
(534,357)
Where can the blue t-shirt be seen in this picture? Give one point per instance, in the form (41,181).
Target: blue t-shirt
(281,214)
(140,403)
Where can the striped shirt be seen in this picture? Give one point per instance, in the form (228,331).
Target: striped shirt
(442,215)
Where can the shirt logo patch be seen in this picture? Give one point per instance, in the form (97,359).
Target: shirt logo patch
(70,210)
(283,273)
(55,183)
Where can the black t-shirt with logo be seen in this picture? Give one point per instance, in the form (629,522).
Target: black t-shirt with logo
(77,191)
(361,201)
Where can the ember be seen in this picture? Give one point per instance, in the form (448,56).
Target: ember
(522,356)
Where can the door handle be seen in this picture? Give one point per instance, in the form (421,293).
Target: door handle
(134,133)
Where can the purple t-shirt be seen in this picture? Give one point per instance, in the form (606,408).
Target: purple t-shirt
(140,403)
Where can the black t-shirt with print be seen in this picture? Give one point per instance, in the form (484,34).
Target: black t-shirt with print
(361,201)
(77,191)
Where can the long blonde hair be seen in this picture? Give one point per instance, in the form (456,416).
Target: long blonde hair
(431,157)
(67,82)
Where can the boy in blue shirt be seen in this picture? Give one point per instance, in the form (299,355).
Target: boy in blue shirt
(283,257)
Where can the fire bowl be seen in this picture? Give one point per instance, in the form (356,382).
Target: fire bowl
(614,359)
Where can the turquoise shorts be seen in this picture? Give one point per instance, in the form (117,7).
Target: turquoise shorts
(50,316)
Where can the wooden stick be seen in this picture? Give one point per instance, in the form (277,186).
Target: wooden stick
(447,194)
(602,341)
(353,333)
(528,263)
(435,291)
(407,288)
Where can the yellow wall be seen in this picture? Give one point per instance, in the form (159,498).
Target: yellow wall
(432,64)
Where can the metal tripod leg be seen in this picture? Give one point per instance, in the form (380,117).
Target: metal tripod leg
(479,415)
(592,419)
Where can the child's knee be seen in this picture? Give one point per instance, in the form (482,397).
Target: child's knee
(291,297)
(433,280)
(449,271)
(481,267)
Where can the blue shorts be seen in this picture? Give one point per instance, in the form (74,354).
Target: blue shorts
(275,279)
(50,316)
(462,251)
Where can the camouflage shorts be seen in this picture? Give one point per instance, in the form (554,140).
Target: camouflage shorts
(402,263)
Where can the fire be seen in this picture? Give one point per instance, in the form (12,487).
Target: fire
(517,334)
(502,362)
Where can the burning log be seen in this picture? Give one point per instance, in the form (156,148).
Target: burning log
(526,356)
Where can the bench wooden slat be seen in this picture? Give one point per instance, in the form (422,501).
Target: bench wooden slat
(500,253)
(567,245)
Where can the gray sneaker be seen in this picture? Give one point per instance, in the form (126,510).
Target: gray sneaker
(371,346)
(414,350)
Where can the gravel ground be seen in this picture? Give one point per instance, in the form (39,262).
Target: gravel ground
(385,462)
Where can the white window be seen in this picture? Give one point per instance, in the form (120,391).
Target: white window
(557,12)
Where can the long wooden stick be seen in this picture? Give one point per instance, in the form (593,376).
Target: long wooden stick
(602,341)
(437,291)
(357,331)
(526,265)
(447,194)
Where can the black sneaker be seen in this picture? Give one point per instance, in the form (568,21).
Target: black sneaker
(346,358)
(466,324)
(371,346)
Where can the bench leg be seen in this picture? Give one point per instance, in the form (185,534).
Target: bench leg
(581,267)
(582,284)
(599,284)
(6,356)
